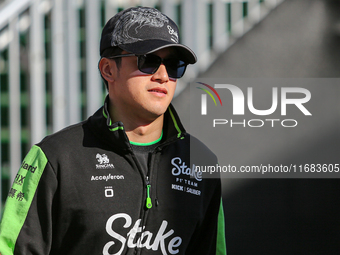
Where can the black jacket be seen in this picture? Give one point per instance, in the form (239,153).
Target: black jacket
(82,191)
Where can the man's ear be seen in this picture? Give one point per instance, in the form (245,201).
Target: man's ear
(107,69)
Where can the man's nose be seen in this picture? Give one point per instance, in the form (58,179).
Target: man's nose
(161,75)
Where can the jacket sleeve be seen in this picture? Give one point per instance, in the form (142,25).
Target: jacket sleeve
(26,225)
(221,247)
(209,237)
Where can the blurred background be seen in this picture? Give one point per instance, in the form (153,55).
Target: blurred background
(49,79)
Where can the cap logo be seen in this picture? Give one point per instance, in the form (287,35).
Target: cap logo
(173,33)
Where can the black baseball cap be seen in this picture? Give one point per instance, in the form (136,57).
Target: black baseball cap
(143,30)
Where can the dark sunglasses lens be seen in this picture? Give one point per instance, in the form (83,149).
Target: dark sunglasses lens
(149,63)
(175,67)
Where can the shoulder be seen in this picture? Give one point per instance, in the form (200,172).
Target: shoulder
(67,139)
(200,151)
(202,158)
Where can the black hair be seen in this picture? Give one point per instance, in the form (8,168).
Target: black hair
(110,52)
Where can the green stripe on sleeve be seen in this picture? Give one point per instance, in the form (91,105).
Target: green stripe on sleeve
(221,247)
(20,198)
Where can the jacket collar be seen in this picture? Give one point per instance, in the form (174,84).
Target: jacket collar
(113,133)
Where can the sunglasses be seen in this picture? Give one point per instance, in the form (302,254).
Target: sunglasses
(150,63)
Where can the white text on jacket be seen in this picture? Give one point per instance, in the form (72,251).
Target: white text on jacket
(145,238)
(182,168)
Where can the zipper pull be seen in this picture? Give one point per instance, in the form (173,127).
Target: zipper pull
(148,199)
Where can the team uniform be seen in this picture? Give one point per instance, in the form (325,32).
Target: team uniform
(88,190)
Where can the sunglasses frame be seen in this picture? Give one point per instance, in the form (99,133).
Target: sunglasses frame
(145,55)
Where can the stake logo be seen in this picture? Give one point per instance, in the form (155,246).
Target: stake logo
(164,241)
(300,97)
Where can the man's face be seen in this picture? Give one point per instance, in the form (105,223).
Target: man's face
(140,95)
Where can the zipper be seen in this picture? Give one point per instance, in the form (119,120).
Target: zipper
(148,202)
(155,162)
(143,213)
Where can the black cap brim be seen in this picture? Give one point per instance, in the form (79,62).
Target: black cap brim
(150,46)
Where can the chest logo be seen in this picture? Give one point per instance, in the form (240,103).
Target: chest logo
(104,162)
(164,242)
(180,167)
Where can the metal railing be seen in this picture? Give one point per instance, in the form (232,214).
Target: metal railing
(49,53)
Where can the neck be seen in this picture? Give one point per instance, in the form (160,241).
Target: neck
(145,133)
(137,129)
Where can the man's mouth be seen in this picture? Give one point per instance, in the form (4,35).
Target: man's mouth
(158,90)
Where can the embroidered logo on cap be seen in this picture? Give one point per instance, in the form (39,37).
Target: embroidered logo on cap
(173,33)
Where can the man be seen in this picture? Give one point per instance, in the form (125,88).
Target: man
(120,182)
